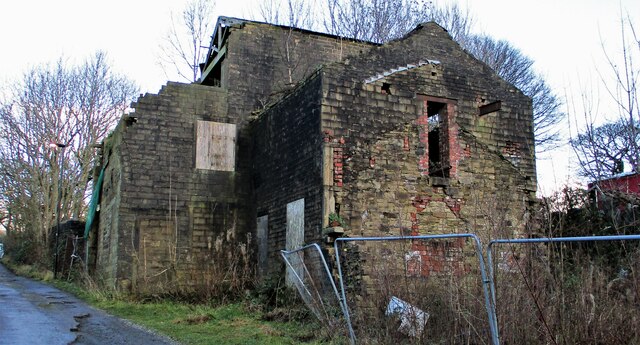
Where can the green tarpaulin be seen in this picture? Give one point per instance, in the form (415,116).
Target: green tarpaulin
(93,205)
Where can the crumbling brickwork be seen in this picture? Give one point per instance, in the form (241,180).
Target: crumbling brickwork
(161,217)
(487,173)
(411,137)
(406,149)
(176,207)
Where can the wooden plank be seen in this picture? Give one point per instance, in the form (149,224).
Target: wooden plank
(215,146)
(294,238)
(490,108)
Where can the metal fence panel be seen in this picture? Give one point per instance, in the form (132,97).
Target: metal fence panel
(416,289)
(434,289)
(566,290)
(312,278)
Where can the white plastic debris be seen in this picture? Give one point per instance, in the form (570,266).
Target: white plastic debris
(412,318)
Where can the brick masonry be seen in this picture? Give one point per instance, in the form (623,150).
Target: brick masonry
(288,164)
(160,217)
(346,126)
(165,225)
(265,61)
(386,187)
(373,119)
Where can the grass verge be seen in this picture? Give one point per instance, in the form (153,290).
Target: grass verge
(200,324)
(240,322)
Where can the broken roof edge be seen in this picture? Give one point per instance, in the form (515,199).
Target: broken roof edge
(240,21)
(434,24)
(229,21)
(218,39)
(419,27)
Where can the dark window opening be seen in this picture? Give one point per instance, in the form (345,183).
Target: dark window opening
(386,88)
(437,115)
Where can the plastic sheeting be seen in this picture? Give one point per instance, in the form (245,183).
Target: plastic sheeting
(93,205)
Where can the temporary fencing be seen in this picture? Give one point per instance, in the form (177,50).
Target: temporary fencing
(423,288)
(312,278)
(435,289)
(566,290)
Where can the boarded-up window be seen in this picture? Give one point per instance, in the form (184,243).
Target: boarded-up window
(263,244)
(216,146)
(295,238)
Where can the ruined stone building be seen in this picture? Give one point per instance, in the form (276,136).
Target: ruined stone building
(286,126)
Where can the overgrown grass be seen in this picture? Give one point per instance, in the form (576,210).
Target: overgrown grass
(201,324)
(27,270)
(239,322)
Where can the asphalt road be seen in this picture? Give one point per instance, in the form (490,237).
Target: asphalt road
(36,313)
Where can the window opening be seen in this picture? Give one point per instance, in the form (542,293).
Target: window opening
(436,113)
(217,73)
(386,88)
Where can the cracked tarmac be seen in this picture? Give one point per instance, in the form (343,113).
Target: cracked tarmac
(36,313)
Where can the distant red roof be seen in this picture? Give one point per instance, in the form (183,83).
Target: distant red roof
(628,183)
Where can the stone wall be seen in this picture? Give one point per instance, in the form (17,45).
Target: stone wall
(288,165)
(354,137)
(263,61)
(262,64)
(376,118)
(163,222)
(160,217)
(105,240)
(375,166)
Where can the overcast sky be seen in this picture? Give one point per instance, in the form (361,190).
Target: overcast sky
(563,37)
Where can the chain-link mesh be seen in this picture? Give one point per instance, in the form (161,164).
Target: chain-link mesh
(567,292)
(311,276)
(415,290)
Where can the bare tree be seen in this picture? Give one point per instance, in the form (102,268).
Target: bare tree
(516,68)
(626,79)
(380,21)
(604,150)
(182,49)
(457,21)
(292,13)
(55,104)
(374,20)
(295,14)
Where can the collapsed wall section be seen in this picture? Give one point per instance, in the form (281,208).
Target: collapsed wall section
(175,197)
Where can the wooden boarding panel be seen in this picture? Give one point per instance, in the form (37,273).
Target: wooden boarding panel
(215,146)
